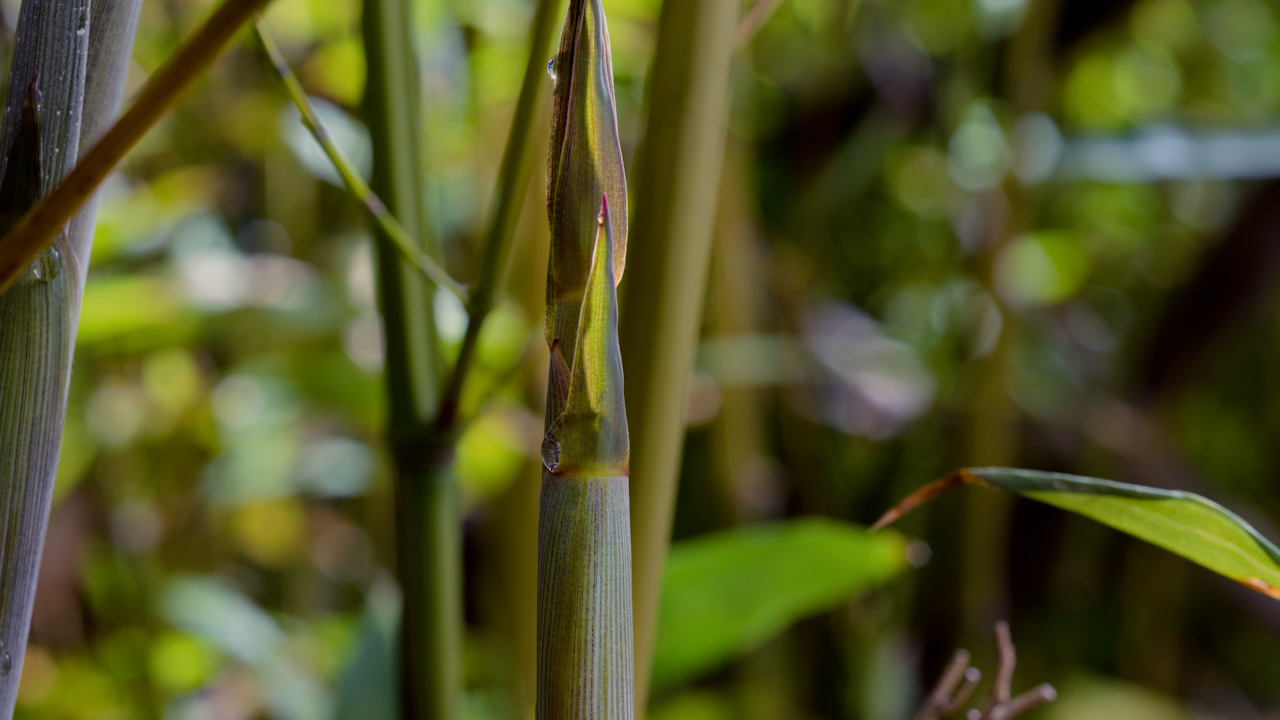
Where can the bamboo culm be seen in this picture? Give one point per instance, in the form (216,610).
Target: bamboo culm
(586,654)
(65,86)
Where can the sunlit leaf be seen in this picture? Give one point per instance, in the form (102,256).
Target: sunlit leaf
(728,593)
(585,165)
(589,436)
(1183,523)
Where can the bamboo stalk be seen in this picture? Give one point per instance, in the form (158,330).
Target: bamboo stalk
(428,528)
(80,63)
(585,642)
(584,600)
(41,225)
(677,179)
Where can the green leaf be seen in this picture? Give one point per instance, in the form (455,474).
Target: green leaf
(584,165)
(1183,523)
(589,437)
(728,593)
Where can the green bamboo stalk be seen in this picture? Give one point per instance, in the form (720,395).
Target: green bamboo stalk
(400,238)
(585,649)
(41,225)
(677,181)
(77,54)
(428,528)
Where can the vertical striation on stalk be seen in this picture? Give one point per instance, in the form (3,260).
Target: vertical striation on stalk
(585,648)
(65,86)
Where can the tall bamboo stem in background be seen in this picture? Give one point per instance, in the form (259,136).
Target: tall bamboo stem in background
(993,438)
(677,180)
(80,53)
(427,516)
(585,651)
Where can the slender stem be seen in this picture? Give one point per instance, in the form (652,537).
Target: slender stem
(391,227)
(508,197)
(677,183)
(40,226)
(428,525)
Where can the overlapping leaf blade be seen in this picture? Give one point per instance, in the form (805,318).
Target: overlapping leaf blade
(584,166)
(589,437)
(1183,523)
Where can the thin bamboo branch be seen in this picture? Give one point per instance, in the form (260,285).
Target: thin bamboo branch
(513,185)
(677,180)
(395,232)
(41,225)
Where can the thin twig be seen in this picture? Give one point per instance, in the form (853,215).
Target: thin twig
(755,19)
(1002,690)
(40,226)
(509,195)
(399,236)
(946,698)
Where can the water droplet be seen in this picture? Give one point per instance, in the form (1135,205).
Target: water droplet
(48,266)
(551,68)
(80,32)
(550,454)
(6,661)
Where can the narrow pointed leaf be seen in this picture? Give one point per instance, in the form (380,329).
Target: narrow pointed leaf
(584,165)
(727,593)
(1183,523)
(589,438)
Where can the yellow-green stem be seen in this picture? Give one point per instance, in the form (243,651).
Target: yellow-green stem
(428,525)
(677,180)
(391,228)
(584,600)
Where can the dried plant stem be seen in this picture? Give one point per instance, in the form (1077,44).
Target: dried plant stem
(395,232)
(584,600)
(40,226)
(949,694)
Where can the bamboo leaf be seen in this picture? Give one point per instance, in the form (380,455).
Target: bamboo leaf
(589,437)
(1183,523)
(728,593)
(584,165)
